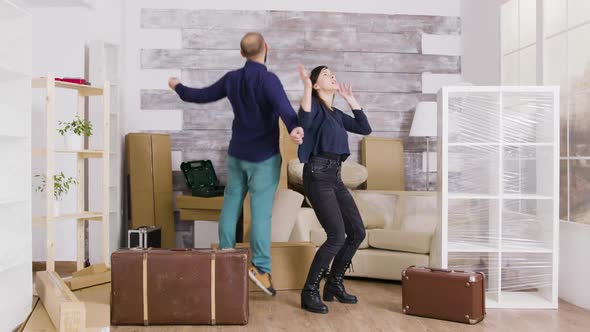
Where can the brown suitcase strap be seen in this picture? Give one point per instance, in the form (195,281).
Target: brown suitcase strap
(145,289)
(213,288)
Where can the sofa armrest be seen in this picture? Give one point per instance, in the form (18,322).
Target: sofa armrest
(306,221)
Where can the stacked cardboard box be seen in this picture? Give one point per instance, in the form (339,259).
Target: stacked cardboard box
(384,159)
(149,184)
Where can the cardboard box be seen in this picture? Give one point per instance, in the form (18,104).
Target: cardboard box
(290,263)
(384,160)
(149,184)
(199,208)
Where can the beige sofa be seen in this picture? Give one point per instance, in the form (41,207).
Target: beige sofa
(400,232)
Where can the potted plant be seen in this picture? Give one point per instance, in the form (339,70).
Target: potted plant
(74,132)
(61,186)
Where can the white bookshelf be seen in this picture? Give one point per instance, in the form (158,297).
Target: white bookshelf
(16,281)
(499,190)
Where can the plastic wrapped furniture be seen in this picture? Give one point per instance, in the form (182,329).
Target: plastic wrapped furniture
(499,190)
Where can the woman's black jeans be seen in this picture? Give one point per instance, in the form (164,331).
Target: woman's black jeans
(335,209)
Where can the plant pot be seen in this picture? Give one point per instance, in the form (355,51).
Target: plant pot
(74,142)
(56,208)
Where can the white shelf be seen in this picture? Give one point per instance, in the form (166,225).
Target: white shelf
(13,201)
(472,196)
(526,196)
(471,247)
(9,74)
(454,247)
(475,144)
(502,144)
(503,196)
(526,249)
(15,177)
(529,144)
(60,3)
(491,303)
(5,136)
(522,300)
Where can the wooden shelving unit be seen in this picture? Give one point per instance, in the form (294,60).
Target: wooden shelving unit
(50,85)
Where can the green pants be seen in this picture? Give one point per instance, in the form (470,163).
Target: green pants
(260,180)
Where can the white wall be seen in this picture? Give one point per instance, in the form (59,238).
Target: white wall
(480,34)
(59,38)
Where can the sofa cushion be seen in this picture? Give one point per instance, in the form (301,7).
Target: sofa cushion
(384,264)
(371,214)
(413,203)
(425,221)
(284,214)
(416,242)
(381,204)
(318,237)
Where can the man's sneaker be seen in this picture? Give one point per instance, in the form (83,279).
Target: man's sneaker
(262,280)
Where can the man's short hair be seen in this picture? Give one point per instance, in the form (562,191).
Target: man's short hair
(252,44)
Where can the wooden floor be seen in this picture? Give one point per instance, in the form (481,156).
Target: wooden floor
(379,309)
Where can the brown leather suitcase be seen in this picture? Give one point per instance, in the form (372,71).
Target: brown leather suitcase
(179,287)
(444,294)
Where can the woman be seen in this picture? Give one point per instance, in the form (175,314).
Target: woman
(324,148)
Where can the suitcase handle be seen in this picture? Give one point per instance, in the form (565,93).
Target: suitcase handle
(437,270)
(443,270)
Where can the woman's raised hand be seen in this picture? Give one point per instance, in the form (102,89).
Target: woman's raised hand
(345,90)
(304,76)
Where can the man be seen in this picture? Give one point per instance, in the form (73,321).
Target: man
(254,162)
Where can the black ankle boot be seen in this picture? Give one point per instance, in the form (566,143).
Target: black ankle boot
(310,295)
(334,286)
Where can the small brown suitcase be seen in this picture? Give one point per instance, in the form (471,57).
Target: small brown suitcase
(179,287)
(444,294)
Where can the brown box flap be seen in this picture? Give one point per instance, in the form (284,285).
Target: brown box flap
(162,163)
(202,203)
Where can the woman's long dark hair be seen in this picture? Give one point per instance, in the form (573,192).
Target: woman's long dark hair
(313,76)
